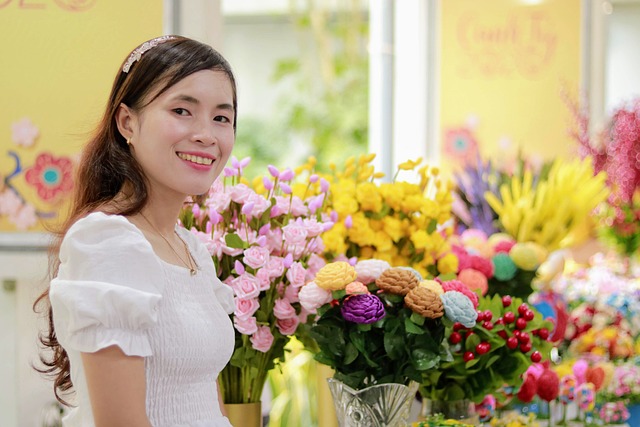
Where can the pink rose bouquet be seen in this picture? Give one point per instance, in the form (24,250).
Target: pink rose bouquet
(265,241)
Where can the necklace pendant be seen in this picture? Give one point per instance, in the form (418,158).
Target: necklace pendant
(193,271)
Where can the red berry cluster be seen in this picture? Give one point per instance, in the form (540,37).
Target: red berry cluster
(518,339)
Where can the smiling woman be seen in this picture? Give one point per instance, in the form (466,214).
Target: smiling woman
(138,321)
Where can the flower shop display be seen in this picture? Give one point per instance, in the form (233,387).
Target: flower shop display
(400,222)
(265,241)
(508,337)
(378,325)
(616,151)
(604,307)
(496,264)
(553,211)
(470,206)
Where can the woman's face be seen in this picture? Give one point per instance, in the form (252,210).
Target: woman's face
(184,137)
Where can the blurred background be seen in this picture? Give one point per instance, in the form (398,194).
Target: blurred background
(443,80)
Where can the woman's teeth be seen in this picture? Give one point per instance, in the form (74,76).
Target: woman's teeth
(195,159)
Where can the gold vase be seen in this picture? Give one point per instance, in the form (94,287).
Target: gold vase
(244,414)
(326,409)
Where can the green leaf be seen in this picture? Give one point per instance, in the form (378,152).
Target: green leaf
(412,328)
(338,294)
(364,327)
(471,342)
(234,241)
(417,319)
(432,226)
(351,354)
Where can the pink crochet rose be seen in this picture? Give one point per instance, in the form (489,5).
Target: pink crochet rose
(312,296)
(246,326)
(262,339)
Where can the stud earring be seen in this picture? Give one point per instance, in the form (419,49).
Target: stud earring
(129,142)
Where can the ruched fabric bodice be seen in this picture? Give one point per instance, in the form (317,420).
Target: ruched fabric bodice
(112,289)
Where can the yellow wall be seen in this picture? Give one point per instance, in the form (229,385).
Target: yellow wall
(59,58)
(504,64)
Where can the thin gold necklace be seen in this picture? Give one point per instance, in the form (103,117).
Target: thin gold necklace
(191,265)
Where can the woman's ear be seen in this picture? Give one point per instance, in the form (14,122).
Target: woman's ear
(125,120)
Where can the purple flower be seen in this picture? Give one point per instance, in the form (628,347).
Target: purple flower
(362,308)
(287,175)
(268,184)
(273,171)
(348,222)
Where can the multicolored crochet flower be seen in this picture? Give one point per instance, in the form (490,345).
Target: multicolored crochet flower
(386,325)
(363,309)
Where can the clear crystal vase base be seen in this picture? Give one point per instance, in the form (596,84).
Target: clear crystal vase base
(382,405)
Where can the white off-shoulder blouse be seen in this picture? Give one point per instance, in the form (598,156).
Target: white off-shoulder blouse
(112,289)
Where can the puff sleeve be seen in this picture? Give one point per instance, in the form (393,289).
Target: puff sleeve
(108,288)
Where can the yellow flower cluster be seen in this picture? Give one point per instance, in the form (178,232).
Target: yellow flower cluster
(554,211)
(403,223)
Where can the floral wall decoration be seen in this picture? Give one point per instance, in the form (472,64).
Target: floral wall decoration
(33,191)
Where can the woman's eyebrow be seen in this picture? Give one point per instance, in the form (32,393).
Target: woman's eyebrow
(191,100)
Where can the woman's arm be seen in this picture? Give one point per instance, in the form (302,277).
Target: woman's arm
(117,388)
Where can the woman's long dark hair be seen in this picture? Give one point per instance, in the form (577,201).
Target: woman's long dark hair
(107,165)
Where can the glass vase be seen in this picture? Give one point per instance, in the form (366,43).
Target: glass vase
(459,410)
(382,405)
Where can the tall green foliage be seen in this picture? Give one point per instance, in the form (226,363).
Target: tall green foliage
(328,105)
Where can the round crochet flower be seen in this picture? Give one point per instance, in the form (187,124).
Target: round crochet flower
(459,308)
(397,281)
(356,288)
(504,246)
(483,265)
(369,270)
(548,385)
(335,276)
(474,280)
(504,267)
(312,297)
(424,302)
(362,308)
(457,285)
(433,286)
(525,256)
(414,271)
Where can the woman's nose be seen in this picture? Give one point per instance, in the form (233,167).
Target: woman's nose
(204,133)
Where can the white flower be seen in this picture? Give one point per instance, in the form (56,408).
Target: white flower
(312,296)
(369,270)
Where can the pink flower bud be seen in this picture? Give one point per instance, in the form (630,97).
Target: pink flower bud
(239,267)
(268,184)
(230,172)
(285,188)
(273,171)
(264,230)
(287,175)
(328,225)
(324,185)
(247,208)
(244,162)
(348,222)
(288,261)
(314,178)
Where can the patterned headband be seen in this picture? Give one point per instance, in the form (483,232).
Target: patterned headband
(139,51)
